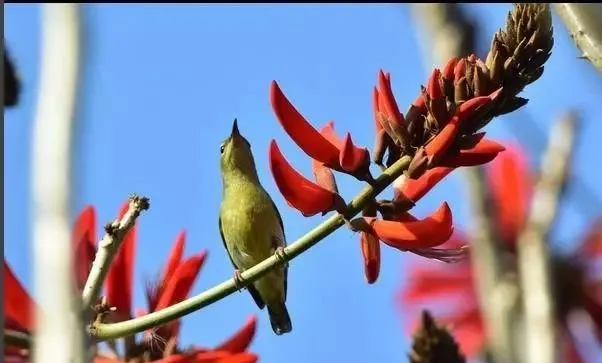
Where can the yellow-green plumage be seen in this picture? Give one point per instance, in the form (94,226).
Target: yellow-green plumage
(251,227)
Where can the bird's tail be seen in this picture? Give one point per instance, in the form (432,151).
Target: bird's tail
(279,318)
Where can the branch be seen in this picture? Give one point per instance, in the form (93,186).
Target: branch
(452,34)
(218,292)
(59,330)
(583,22)
(496,287)
(533,254)
(108,248)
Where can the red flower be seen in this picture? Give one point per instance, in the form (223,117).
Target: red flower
(344,157)
(428,283)
(413,234)
(510,185)
(370,247)
(174,286)
(300,193)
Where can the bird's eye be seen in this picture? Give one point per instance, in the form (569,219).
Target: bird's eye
(221,148)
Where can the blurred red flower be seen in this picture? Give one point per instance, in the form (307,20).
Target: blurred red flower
(174,285)
(577,288)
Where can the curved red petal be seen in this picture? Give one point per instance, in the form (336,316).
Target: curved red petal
(486,146)
(180,284)
(431,231)
(469,107)
(84,244)
(391,109)
(483,152)
(448,70)
(240,358)
(299,193)
(376,109)
(433,87)
(175,256)
(18,305)
(210,356)
(327,131)
(300,130)
(120,278)
(240,341)
(419,102)
(324,176)
(370,246)
(459,70)
(353,159)
(468,160)
(436,286)
(437,147)
(415,189)
(508,177)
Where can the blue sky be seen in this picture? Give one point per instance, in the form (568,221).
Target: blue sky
(173,78)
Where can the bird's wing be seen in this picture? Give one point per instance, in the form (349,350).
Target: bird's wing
(252,290)
(280,242)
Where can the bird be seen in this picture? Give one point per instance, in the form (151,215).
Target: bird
(251,228)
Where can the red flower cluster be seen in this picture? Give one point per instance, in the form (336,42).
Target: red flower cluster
(174,285)
(576,288)
(437,133)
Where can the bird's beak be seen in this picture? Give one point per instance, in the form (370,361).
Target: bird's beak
(235,129)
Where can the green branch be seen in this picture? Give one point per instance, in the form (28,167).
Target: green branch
(117,330)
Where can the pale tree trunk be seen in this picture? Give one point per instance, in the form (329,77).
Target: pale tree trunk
(59,331)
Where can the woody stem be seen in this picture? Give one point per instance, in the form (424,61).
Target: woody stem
(103,331)
(108,248)
(583,23)
(532,243)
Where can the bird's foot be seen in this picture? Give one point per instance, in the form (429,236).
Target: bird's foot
(238,280)
(281,255)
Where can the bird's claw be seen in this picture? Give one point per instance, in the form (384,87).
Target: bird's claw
(281,255)
(238,280)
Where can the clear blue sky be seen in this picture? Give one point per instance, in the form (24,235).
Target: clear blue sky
(170,80)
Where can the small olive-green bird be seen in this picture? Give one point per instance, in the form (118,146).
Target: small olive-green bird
(251,228)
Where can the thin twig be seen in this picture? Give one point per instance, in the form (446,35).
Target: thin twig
(59,330)
(584,23)
(533,254)
(108,247)
(218,292)
(450,33)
